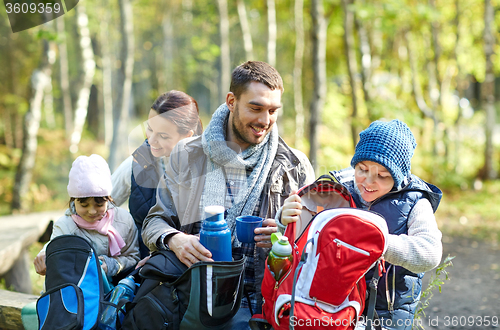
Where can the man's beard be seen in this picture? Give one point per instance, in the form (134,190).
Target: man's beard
(238,128)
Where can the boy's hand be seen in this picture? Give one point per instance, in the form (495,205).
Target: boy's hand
(292,208)
(39,263)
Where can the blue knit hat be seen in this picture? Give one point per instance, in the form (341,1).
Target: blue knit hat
(390,144)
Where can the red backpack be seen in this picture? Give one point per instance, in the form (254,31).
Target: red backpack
(325,288)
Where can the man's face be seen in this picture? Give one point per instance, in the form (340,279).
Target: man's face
(253,114)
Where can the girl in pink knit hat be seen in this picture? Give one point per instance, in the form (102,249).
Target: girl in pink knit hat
(93,215)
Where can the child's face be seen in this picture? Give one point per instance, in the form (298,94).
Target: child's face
(89,210)
(373,180)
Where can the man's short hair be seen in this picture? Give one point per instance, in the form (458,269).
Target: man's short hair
(256,71)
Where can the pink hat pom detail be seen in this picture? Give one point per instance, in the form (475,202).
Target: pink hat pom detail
(89,177)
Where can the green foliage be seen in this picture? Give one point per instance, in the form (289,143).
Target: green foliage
(472,211)
(437,279)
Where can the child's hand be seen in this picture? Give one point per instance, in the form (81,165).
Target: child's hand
(103,264)
(142,262)
(292,208)
(40,266)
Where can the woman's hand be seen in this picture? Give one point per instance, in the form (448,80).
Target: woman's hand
(188,249)
(292,208)
(39,262)
(263,234)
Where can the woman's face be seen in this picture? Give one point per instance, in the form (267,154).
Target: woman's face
(89,210)
(162,134)
(373,180)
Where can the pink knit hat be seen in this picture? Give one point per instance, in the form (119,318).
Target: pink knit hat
(89,177)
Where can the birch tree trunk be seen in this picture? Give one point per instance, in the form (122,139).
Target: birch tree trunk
(417,90)
(297,73)
(48,99)
(271,32)
(118,150)
(88,76)
(107,73)
(488,90)
(32,119)
(366,65)
(245,30)
(460,89)
(352,67)
(168,52)
(64,76)
(435,87)
(225,59)
(319,76)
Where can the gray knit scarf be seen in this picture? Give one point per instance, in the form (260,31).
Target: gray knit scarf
(259,157)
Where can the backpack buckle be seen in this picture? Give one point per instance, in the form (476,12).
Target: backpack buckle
(175,297)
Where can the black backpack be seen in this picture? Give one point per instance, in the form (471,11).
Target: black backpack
(74,296)
(205,296)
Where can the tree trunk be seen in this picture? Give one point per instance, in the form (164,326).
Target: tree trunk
(417,90)
(107,73)
(297,73)
(7,128)
(48,99)
(352,66)
(245,30)
(460,89)
(88,76)
(488,90)
(427,111)
(271,32)
(225,59)
(167,82)
(32,119)
(434,79)
(64,72)
(118,149)
(366,65)
(319,76)
(48,105)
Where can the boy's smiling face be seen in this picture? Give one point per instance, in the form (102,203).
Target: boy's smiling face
(373,180)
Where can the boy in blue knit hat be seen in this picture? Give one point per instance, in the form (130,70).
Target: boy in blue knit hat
(380,180)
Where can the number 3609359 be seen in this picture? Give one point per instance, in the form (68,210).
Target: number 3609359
(25,8)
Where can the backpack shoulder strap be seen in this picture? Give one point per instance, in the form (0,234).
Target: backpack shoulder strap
(373,297)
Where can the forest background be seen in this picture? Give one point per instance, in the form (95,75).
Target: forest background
(84,82)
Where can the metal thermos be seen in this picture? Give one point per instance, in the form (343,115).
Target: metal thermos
(215,235)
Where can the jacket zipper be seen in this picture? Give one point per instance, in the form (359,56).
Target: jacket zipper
(349,246)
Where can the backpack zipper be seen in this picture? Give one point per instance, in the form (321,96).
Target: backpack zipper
(349,246)
(84,273)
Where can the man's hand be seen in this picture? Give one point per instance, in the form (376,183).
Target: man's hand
(263,234)
(40,266)
(292,208)
(188,249)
